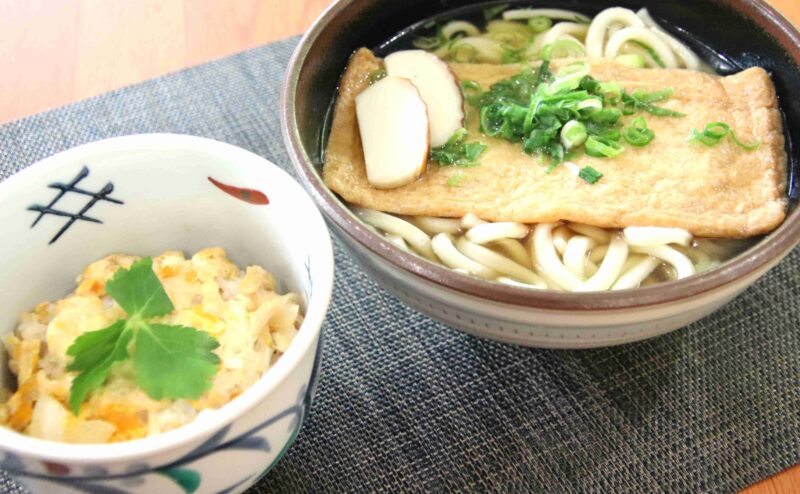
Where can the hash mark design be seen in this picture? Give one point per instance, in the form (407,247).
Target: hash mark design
(101,195)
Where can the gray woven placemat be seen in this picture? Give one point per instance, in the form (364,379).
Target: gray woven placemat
(406,404)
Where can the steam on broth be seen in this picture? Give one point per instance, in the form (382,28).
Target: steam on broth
(553,85)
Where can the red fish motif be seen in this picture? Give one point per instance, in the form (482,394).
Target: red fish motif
(250,196)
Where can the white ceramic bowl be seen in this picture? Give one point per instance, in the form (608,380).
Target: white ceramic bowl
(170,202)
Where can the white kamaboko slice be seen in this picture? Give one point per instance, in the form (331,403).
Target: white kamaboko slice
(610,268)
(576,255)
(634,276)
(469,220)
(493,260)
(682,264)
(393,123)
(656,235)
(596,37)
(489,232)
(438,87)
(387,223)
(547,258)
(446,251)
(434,225)
(555,14)
(643,35)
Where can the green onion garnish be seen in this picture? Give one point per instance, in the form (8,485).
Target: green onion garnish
(377,75)
(472,91)
(715,132)
(540,24)
(573,134)
(562,48)
(632,60)
(637,133)
(456,151)
(643,101)
(590,175)
(610,91)
(653,54)
(567,114)
(600,147)
(428,42)
(490,13)
(455,180)
(511,56)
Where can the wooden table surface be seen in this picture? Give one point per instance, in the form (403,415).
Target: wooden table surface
(54,52)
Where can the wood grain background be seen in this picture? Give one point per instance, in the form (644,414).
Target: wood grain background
(55,52)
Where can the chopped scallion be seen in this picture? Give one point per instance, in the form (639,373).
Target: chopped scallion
(610,91)
(540,24)
(601,147)
(637,133)
(562,48)
(455,180)
(377,75)
(456,151)
(714,132)
(427,42)
(653,54)
(490,13)
(573,134)
(632,60)
(590,175)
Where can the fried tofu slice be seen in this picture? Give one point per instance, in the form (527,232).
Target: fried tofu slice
(721,191)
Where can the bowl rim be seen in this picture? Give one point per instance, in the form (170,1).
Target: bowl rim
(200,428)
(774,246)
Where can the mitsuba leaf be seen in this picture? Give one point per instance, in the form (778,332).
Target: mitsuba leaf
(138,291)
(94,365)
(174,361)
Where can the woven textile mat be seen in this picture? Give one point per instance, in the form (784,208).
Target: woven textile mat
(405,404)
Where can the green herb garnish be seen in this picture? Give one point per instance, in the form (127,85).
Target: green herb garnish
(590,175)
(714,132)
(562,48)
(540,24)
(455,180)
(603,147)
(490,13)
(569,112)
(471,90)
(170,361)
(377,75)
(643,101)
(457,151)
(650,51)
(637,133)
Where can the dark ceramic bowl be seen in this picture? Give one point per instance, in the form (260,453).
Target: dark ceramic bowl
(729,34)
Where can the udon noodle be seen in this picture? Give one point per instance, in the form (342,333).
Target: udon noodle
(615,32)
(557,256)
(553,256)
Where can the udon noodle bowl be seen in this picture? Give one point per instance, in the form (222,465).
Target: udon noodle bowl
(564,255)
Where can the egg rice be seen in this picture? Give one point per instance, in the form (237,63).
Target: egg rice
(253,324)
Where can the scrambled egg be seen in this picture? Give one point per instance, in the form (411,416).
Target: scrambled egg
(253,324)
